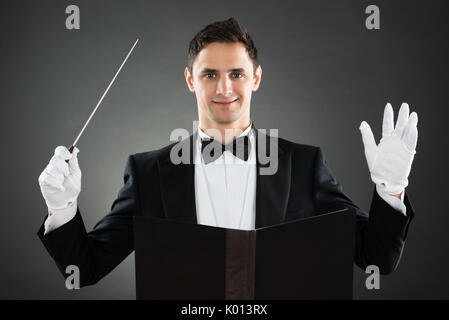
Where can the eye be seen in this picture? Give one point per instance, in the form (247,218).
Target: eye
(209,74)
(237,75)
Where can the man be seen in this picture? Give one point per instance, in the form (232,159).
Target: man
(216,187)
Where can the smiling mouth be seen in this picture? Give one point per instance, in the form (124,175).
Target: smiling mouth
(225,103)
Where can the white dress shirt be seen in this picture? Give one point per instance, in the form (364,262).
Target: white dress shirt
(225,189)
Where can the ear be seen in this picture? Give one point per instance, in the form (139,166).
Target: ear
(189,79)
(257,78)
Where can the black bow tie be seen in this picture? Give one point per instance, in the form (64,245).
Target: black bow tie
(212,149)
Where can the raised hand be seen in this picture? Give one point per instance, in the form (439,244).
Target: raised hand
(390,161)
(60,182)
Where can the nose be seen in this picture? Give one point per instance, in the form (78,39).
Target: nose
(224,87)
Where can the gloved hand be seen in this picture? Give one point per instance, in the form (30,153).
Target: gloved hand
(60,182)
(390,162)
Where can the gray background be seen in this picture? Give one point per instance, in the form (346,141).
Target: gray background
(323,73)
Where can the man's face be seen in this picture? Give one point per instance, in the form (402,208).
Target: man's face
(223,80)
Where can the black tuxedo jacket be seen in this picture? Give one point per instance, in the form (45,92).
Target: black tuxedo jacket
(303,186)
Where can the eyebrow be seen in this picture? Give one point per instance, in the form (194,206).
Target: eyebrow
(208,70)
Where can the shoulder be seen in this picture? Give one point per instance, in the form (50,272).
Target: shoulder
(295,147)
(148,159)
(304,157)
(153,154)
(301,154)
(286,145)
(151,157)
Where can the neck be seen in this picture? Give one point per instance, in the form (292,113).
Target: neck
(225,133)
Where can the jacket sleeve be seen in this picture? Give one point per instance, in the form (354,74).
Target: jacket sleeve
(379,236)
(98,252)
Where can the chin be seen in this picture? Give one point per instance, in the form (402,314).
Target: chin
(224,116)
(224,120)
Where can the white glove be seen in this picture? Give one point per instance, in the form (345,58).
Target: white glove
(390,162)
(60,182)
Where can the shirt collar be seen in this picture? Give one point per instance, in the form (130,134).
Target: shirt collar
(246,132)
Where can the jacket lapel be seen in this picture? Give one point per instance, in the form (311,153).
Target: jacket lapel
(177,183)
(273,191)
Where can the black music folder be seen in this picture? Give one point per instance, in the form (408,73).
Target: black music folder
(310,258)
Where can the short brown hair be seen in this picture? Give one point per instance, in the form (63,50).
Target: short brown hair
(229,30)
